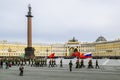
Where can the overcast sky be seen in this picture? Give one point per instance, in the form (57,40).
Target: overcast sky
(60,20)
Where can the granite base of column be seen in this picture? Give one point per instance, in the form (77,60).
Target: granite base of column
(29,53)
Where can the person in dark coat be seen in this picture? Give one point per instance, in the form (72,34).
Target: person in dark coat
(61,65)
(50,63)
(97,65)
(7,64)
(82,64)
(1,64)
(70,65)
(90,64)
(21,68)
(77,64)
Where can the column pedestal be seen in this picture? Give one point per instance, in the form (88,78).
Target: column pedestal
(29,52)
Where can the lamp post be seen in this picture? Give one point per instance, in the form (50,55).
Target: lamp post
(47,51)
(9,50)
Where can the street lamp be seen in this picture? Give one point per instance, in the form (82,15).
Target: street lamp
(47,51)
(9,50)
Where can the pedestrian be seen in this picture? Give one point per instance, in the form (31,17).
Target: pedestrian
(90,64)
(1,64)
(55,65)
(50,63)
(61,65)
(21,68)
(7,64)
(82,64)
(70,65)
(97,65)
(77,64)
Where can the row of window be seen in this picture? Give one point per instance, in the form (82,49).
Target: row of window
(11,54)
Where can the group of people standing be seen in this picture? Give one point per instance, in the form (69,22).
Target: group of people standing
(39,63)
(7,64)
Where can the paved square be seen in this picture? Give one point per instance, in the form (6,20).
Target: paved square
(106,72)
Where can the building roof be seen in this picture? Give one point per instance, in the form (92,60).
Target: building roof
(100,39)
(73,40)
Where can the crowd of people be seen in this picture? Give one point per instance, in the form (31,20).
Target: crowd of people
(17,62)
(42,62)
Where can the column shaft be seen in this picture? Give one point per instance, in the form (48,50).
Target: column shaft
(29,34)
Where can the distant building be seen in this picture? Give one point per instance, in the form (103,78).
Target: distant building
(100,48)
(101,39)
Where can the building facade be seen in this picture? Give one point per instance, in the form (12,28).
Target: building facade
(100,48)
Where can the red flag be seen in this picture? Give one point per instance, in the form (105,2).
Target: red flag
(51,55)
(73,55)
(76,54)
(82,56)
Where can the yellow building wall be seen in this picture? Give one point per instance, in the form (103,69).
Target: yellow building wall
(108,49)
(99,49)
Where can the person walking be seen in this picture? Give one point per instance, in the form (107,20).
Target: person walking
(61,65)
(7,64)
(70,65)
(21,68)
(90,64)
(1,64)
(50,63)
(97,65)
(77,64)
(82,64)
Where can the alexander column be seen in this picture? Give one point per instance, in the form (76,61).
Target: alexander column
(29,50)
